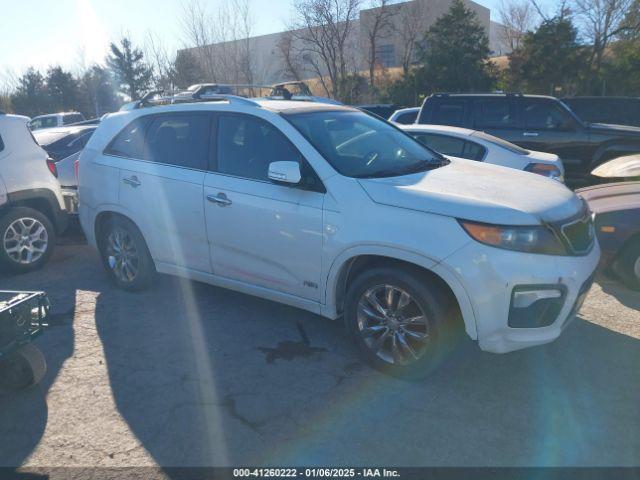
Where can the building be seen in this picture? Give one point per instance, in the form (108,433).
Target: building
(263,59)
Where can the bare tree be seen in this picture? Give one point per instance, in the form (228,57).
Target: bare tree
(161,61)
(517,17)
(410,27)
(222,41)
(376,24)
(324,29)
(290,56)
(602,21)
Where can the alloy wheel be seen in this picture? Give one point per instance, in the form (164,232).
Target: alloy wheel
(25,240)
(122,255)
(392,324)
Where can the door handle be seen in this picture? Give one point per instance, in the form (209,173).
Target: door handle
(221,199)
(530,134)
(133,181)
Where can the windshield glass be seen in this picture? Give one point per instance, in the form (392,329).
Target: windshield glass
(501,143)
(361,146)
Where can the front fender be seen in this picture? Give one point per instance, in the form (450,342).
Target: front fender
(341,261)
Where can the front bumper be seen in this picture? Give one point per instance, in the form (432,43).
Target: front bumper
(490,275)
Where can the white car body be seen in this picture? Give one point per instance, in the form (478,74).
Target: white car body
(26,182)
(496,150)
(407,113)
(54,120)
(296,246)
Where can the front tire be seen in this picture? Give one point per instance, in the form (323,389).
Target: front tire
(401,322)
(27,240)
(125,255)
(629,265)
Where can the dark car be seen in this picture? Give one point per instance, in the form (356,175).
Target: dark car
(382,110)
(537,123)
(61,142)
(614,110)
(616,207)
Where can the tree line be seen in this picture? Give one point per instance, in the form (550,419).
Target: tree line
(586,47)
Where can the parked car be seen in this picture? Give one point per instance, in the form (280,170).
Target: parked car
(620,169)
(536,123)
(55,120)
(335,211)
(381,110)
(64,145)
(616,207)
(405,116)
(32,208)
(613,110)
(482,147)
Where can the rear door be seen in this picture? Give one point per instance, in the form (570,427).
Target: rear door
(161,184)
(260,232)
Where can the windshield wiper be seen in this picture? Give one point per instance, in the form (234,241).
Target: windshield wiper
(415,168)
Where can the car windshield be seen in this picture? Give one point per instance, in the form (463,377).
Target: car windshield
(501,143)
(361,146)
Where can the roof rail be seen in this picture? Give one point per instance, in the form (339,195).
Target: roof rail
(156,98)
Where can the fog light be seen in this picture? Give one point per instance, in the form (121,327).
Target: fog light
(535,306)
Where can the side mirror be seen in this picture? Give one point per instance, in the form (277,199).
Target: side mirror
(285,172)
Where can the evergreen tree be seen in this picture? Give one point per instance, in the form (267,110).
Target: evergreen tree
(455,53)
(129,68)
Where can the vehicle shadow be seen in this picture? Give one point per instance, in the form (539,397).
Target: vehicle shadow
(624,295)
(205,376)
(24,414)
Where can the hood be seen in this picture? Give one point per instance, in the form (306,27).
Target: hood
(478,191)
(612,196)
(621,167)
(615,129)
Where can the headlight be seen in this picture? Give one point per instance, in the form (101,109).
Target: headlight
(535,239)
(546,170)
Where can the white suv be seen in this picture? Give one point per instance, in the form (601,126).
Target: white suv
(334,211)
(31,204)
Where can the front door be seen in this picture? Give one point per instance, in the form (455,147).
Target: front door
(262,233)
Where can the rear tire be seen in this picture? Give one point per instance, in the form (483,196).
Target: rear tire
(27,240)
(24,369)
(125,255)
(414,313)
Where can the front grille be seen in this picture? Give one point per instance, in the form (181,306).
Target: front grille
(579,234)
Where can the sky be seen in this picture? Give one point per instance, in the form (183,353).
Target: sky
(73,33)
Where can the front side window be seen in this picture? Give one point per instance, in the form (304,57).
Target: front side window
(179,139)
(362,146)
(247,145)
(407,118)
(545,116)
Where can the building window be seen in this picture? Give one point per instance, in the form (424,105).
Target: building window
(386,55)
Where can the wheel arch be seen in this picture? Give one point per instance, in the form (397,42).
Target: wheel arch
(349,264)
(44,201)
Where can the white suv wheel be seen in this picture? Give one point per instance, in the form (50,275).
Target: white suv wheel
(26,240)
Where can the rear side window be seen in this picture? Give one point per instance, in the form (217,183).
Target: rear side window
(494,113)
(247,145)
(450,113)
(407,118)
(448,145)
(181,140)
(129,143)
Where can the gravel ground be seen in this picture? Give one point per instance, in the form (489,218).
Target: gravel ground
(186,374)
